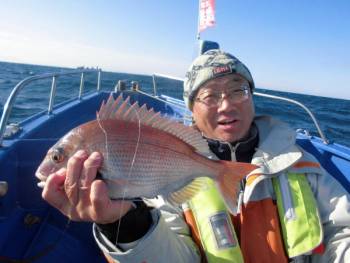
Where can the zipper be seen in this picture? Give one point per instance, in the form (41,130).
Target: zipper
(242,182)
(287,200)
(233,159)
(232,150)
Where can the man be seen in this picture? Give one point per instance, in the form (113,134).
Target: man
(289,210)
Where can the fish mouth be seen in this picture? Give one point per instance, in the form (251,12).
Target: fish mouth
(40,176)
(41,184)
(42,179)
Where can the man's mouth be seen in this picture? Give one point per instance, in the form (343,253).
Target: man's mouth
(226,122)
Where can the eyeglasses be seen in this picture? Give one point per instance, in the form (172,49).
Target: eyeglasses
(212,98)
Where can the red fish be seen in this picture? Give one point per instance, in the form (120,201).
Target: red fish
(146,155)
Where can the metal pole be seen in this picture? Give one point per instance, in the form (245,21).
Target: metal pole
(81,86)
(52,94)
(154,85)
(199,19)
(98,80)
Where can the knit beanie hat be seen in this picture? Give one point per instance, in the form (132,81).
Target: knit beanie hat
(210,65)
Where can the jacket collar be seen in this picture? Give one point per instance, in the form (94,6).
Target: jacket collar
(241,151)
(271,144)
(276,150)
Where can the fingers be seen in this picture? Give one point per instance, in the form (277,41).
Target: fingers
(88,175)
(90,168)
(74,169)
(76,193)
(106,210)
(53,191)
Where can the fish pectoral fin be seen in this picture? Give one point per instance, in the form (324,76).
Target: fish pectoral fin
(181,196)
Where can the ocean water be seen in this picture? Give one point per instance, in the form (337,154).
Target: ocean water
(333,114)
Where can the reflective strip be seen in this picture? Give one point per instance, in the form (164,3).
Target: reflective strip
(287,199)
(218,237)
(109,259)
(306,164)
(251,179)
(297,208)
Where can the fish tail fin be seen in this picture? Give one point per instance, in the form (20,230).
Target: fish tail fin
(229,178)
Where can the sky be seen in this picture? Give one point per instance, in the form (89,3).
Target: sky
(289,45)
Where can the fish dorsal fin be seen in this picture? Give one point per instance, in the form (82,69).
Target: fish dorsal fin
(184,194)
(108,109)
(122,110)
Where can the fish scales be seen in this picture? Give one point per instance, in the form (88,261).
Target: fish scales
(159,159)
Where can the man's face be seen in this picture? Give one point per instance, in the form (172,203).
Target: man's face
(230,119)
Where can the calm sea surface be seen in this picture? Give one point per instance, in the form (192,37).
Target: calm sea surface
(332,114)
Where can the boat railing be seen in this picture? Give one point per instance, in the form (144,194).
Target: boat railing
(177,103)
(155,75)
(321,134)
(323,137)
(20,86)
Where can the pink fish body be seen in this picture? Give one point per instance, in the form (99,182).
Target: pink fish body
(145,155)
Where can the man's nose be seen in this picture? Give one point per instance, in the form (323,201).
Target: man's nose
(225,103)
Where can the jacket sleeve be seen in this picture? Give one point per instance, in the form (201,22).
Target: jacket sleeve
(168,240)
(334,207)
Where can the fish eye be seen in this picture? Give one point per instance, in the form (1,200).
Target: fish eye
(57,155)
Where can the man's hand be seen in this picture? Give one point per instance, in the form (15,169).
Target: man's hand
(75,192)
